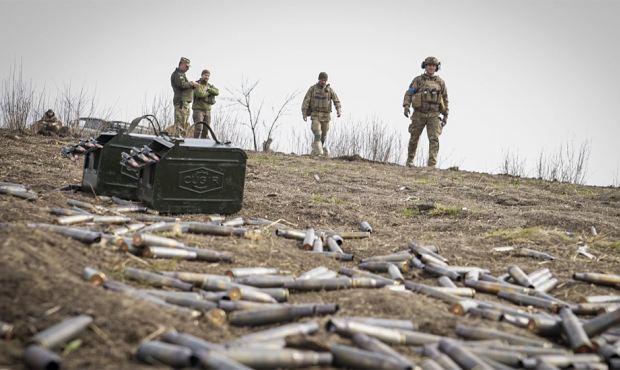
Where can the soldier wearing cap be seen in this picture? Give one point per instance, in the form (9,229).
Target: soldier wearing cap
(428,95)
(204,98)
(49,124)
(183,92)
(318,105)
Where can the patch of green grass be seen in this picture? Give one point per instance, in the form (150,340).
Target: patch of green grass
(529,235)
(321,199)
(615,244)
(164,265)
(440,211)
(263,159)
(409,212)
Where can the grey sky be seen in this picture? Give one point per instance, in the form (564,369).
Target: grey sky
(522,75)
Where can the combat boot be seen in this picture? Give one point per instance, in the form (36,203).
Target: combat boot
(325,151)
(316,148)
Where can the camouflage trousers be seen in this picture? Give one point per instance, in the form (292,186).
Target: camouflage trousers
(320,127)
(433,129)
(181,116)
(200,131)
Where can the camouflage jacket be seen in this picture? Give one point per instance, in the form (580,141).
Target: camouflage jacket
(319,99)
(427,94)
(204,96)
(182,88)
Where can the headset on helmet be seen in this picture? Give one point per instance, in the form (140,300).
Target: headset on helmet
(431,60)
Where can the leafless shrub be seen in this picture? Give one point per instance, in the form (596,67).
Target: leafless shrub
(17,101)
(370,139)
(161,107)
(568,164)
(512,164)
(229,128)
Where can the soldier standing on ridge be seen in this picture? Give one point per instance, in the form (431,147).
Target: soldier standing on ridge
(204,98)
(318,105)
(428,95)
(183,92)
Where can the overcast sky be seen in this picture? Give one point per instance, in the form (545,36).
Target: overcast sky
(524,76)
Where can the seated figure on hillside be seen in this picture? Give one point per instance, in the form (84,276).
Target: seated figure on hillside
(49,124)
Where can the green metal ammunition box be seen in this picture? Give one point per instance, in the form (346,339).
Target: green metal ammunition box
(103,172)
(193,176)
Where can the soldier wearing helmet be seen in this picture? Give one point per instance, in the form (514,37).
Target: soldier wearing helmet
(428,95)
(318,105)
(49,124)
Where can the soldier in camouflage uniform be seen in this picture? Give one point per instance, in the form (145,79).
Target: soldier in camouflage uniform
(183,92)
(428,95)
(49,124)
(204,98)
(318,105)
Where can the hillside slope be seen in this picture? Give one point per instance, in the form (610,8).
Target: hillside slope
(464,214)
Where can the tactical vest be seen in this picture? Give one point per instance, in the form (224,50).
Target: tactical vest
(321,100)
(428,96)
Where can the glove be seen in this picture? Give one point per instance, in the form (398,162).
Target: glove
(338,114)
(406,112)
(444,121)
(305,118)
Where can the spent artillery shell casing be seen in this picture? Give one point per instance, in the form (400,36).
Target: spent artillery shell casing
(312,274)
(279,294)
(155,279)
(415,262)
(520,277)
(216,230)
(419,250)
(351,357)
(349,327)
(460,308)
(534,275)
(333,246)
(329,274)
(483,312)
(600,299)
(80,204)
(432,292)
(440,359)
(362,273)
(601,323)
(163,294)
(272,315)
(335,255)
(382,266)
(458,291)
(429,364)
(203,254)
(319,284)
(592,308)
(57,211)
(548,285)
(129,208)
(394,257)
(82,235)
(192,342)
(428,259)
(155,352)
(171,253)
(471,332)
(596,278)
(317,245)
(75,219)
(309,238)
(367,343)
(156,218)
(247,271)
(18,192)
(193,277)
(258,358)
(545,326)
(264,281)
(494,288)
(41,358)
(239,305)
(291,234)
(109,220)
(395,273)
(385,323)
(528,300)
(304,328)
(58,334)
(365,226)
(149,240)
(175,228)
(94,276)
(526,252)
(446,282)
(438,270)
(247,292)
(218,360)
(462,356)
(129,228)
(472,275)
(234,222)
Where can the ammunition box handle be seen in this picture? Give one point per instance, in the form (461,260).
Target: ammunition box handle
(152,120)
(205,124)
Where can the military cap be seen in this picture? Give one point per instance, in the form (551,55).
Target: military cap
(322,76)
(184,60)
(205,71)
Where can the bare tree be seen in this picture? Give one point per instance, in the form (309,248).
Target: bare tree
(243,97)
(161,107)
(512,164)
(568,164)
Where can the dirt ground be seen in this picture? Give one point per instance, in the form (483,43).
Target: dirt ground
(470,214)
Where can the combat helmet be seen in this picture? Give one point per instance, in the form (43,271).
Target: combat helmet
(431,60)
